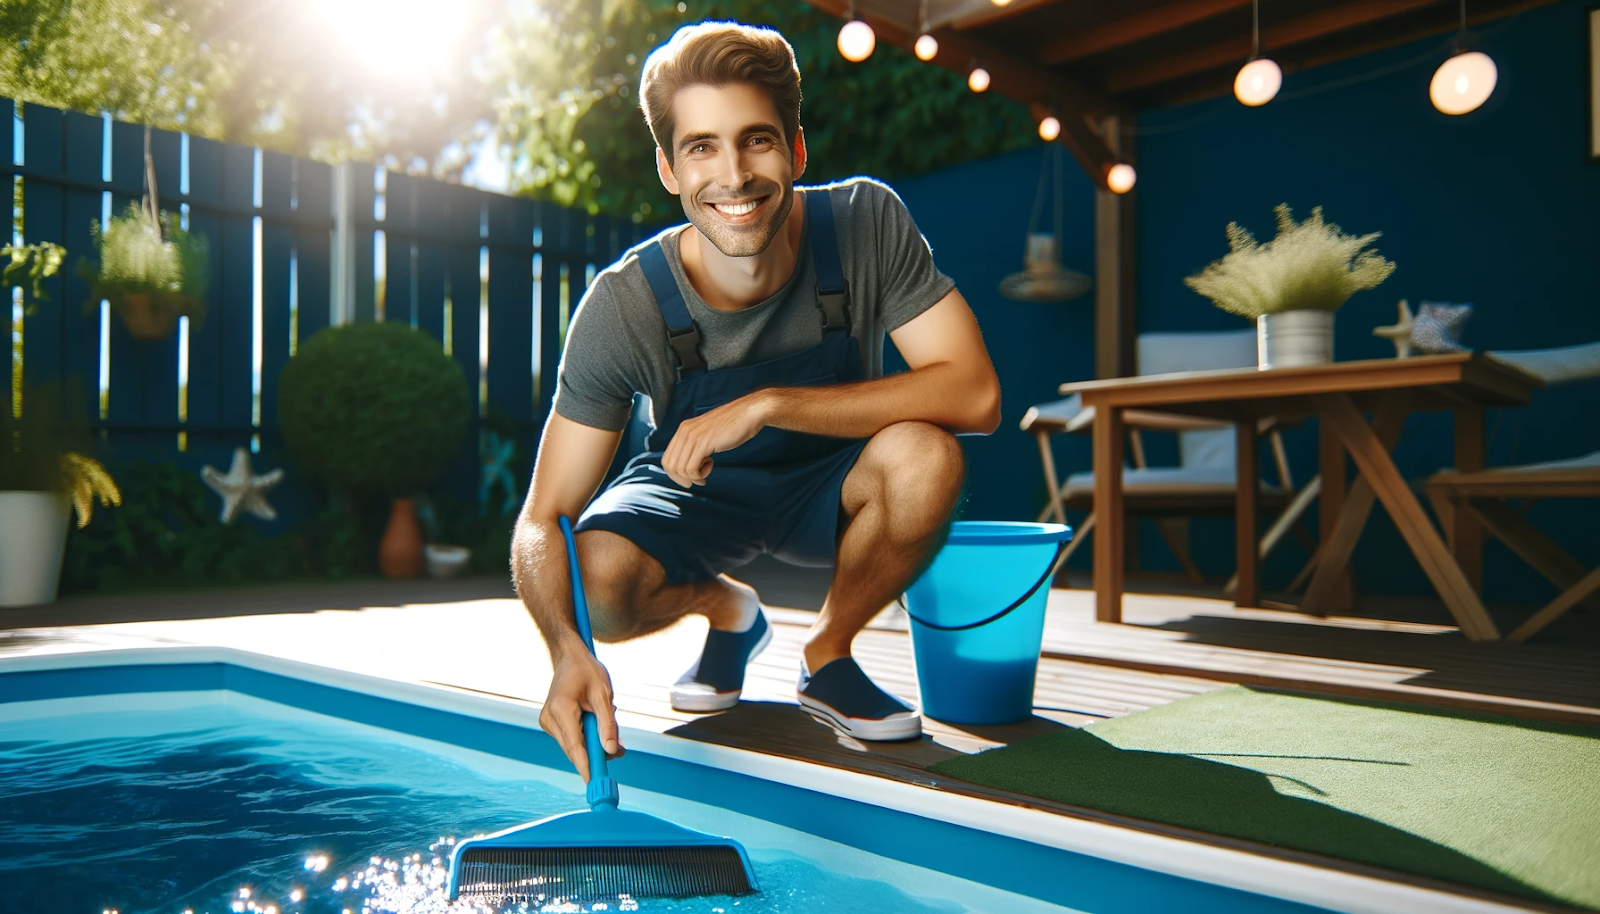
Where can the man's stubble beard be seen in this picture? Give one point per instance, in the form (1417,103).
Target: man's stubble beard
(741,241)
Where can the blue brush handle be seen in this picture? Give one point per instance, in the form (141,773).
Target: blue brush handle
(602,789)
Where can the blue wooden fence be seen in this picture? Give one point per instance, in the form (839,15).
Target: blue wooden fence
(467,266)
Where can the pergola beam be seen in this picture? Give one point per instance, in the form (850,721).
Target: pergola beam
(1274,36)
(1117,33)
(1073,104)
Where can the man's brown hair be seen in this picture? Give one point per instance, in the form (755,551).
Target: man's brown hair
(719,54)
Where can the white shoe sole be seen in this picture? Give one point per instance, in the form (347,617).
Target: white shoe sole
(701,701)
(903,725)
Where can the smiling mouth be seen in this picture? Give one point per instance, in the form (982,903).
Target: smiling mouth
(738,211)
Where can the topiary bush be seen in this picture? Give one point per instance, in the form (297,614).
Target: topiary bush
(376,408)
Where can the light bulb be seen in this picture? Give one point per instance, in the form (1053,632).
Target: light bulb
(978,79)
(1258,81)
(1120,178)
(1462,83)
(1000,2)
(1049,129)
(856,41)
(926,47)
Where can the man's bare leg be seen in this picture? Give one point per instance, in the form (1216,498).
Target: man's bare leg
(628,595)
(898,497)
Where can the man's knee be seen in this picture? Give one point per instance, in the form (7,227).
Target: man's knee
(612,583)
(921,466)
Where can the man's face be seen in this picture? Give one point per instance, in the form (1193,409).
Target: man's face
(730,166)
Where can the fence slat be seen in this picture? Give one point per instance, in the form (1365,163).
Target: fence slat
(510,372)
(277,241)
(313,248)
(235,291)
(80,328)
(205,341)
(42,212)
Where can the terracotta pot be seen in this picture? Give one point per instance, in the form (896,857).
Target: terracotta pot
(400,550)
(143,320)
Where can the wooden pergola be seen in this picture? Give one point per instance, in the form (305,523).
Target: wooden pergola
(1093,64)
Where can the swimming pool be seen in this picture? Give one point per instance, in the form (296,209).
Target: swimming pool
(209,779)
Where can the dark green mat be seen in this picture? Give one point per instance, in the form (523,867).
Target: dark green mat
(1502,803)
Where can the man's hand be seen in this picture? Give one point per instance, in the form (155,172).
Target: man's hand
(688,456)
(580,684)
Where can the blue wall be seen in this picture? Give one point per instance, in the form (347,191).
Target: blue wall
(1500,208)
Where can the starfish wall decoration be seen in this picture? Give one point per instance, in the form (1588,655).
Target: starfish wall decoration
(241,489)
(1399,332)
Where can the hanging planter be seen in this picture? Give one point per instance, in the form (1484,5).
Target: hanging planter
(150,270)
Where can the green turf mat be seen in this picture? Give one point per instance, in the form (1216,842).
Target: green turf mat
(1503,803)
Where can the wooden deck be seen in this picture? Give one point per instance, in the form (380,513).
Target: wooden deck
(474,635)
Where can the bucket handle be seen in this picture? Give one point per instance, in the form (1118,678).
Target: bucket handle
(1048,572)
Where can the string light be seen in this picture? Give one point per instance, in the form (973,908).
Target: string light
(978,79)
(856,39)
(1259,79)
(1466,80)
(1049,129)
(1000,2)
(927,47)
(1120,178)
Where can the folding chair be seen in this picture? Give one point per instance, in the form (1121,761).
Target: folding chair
(1205,482)
(1486,492)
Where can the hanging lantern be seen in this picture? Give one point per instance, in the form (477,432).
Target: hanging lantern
(1120,178)
(1463,83)
(1049,129)
(978,79)
(856,41)
(1258,81)
(926,48)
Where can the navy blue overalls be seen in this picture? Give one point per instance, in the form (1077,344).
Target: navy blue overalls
(777,492)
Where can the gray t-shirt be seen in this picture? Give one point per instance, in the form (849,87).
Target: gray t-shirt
(617,342)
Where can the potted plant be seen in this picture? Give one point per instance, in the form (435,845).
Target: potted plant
(376,409)
(151,270)
(1292,285)
(43,475)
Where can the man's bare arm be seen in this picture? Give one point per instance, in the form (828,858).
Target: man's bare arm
(570,465)
(951,384)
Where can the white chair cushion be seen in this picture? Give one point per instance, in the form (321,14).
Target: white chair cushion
(1166,481)
(1556,366)
(1165,353)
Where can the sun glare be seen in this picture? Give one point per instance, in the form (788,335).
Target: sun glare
(392,37)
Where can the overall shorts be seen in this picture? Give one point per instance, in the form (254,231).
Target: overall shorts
(777,493)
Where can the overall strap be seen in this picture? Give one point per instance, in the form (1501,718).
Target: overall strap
(681,330)
(833,293)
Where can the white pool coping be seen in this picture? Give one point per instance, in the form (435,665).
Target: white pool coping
(1335,890)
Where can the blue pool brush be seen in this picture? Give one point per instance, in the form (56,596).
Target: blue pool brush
(601,851)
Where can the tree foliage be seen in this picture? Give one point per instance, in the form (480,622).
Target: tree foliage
(552,83)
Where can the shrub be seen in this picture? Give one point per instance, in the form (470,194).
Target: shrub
(376,408)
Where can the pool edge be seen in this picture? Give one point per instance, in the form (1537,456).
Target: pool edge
(1211,865)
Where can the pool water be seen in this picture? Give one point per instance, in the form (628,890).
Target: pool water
(216,803)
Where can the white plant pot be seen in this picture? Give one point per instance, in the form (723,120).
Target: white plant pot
(33,536)
(446,561)
(1291,339)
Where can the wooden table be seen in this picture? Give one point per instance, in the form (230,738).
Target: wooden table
(1338,394)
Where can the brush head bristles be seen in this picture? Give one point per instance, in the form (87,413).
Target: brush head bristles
(543,873)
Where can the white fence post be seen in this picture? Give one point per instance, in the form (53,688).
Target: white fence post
(342,276)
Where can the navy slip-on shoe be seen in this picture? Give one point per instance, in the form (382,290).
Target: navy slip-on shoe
(841,696)
(716,680)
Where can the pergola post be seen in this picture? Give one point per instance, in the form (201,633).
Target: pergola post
(1115,317)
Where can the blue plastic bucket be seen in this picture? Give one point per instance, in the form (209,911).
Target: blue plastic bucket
(977,620)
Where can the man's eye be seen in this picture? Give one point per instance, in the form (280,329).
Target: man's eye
(698,148)
(760,139)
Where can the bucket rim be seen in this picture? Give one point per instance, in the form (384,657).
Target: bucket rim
(1005,533)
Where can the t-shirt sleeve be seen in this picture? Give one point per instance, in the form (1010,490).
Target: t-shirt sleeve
(911,282)
(592,386)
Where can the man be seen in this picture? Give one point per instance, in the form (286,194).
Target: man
(757,332)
